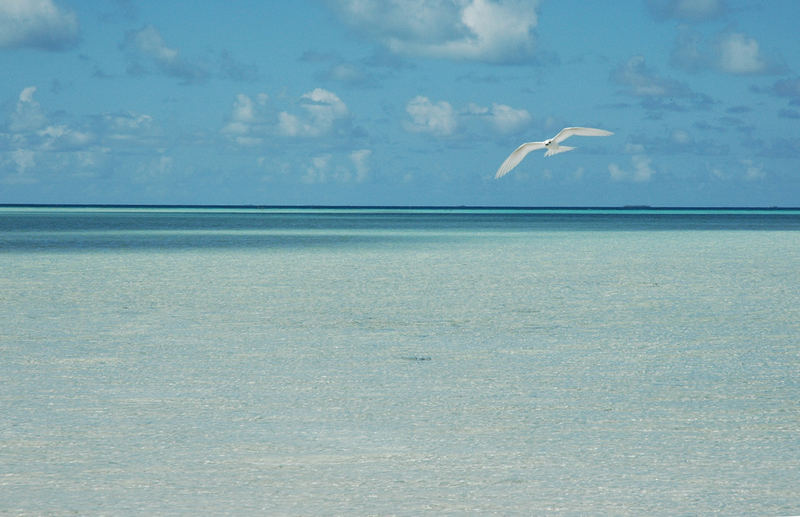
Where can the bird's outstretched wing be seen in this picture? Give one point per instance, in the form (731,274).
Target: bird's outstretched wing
(579,131)
(516,157)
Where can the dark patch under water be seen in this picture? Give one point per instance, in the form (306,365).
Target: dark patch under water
(76,229)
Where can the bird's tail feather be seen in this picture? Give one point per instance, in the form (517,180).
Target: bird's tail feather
(560,149)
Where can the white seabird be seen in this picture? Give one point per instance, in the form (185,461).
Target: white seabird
(552,146)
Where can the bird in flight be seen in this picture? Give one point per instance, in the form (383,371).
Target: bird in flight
(552,146)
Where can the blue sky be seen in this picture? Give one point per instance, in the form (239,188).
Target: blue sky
(417,102)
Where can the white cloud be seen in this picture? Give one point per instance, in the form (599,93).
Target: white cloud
(442,119)
(641,81)
(481,30)
(127,126)
(717,173)
(323,106)
(349,168)
(92,159)
(731,53)
(28,115)
(22,160)
(739,54)
(62,137)
(75,147)
(360,159)
(26,95)
(252,119)
(475,109)
(348,73)
(36,24)
(689,53)
(617,174)
(753,171)
(154,169)
(289,124)
(148,44)
(323,109)
(656,91)
(426,117)
(30,128)
(641,171)
(317,170)
(246,121)
(126,132)
(507,119)
(687,10)
(680,136)
(697,9)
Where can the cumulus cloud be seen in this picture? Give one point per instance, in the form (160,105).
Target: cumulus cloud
(731,53)
(360,160)
(496,31)
(427,117)
(148,50)
(689,52)
(654,90)
(24,159)
(681,137)
(28,115)
(641,170)
(679,141)
(641,81)
(246,122)
(753,171)
(21,162)
(154,169)
(317,170)
(686,10)
(38,146)
(30,128)
(322,110)
(338,69)
(126,125)
(740,54)
(252,119)
(507,119)
(351,74)
(442,119)
(39,24)
(62,137)
(350,168)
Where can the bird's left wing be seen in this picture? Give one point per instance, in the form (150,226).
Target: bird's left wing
(515,157)
(579,131)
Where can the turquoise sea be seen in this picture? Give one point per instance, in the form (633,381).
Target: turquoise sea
(185,361)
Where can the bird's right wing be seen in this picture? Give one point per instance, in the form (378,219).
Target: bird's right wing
(516,157)
(579,131)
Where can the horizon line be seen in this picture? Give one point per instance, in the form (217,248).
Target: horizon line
(393,207)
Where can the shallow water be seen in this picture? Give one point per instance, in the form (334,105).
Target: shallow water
(296,362)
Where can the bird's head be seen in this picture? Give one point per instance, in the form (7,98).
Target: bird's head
(548,142)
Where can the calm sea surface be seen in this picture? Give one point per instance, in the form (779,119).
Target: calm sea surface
(399,362)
